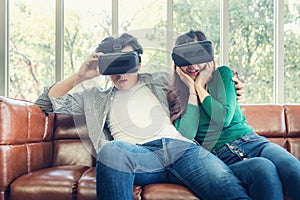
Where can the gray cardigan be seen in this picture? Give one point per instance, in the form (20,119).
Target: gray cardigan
(95,103)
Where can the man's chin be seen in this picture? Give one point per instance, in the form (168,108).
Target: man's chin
(124,87)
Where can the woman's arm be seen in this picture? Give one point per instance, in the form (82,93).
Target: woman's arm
(188,124)
(221,102)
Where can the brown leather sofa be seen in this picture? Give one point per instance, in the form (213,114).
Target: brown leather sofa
(49,156)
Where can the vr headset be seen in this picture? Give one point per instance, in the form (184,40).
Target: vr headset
(193,53)
(118,63)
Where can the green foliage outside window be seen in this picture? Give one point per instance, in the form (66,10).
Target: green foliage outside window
(32,44)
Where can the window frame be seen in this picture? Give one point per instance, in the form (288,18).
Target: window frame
(4,53)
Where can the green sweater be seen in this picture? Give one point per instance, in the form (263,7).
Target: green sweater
(219,118)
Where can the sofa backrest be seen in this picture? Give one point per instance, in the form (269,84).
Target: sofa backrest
(292,118)
(25,139)
(267,120)
(279,123)
(71,143)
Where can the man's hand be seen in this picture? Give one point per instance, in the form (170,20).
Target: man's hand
(89,69)
(239,85)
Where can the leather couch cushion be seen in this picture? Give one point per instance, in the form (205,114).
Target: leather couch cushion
(73,152)
(70,127)
(293,120)
(267,120)
(87,186)
(48,184)
(167,192)
(17,129)
(293,146)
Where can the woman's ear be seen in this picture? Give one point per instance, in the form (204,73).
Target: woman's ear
(139,67)
(214,64)
(174,66)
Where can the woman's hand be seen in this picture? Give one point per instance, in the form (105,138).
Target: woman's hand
(190,83)
(89,69)
(205,75)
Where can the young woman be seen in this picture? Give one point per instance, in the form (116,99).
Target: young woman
(203,106)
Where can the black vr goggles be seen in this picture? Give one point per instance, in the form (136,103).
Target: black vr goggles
(118,63)
(193,53)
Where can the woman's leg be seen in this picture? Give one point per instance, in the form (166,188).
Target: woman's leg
(202,172)
(253,145)
(260,177)
(288,168)
(287,165)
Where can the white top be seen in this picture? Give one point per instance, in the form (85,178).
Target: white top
(136,116)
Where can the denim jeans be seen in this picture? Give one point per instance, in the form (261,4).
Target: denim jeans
(279,168)
(120,165)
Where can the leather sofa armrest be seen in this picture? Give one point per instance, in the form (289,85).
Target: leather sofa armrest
(25,139)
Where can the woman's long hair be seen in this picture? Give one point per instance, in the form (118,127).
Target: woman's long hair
(178,94)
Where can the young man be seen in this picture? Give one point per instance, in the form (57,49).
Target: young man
(130,129)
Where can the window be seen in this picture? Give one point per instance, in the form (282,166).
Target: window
(85,27)
(31,47)
(292,52)
(199,15)
(86,24)
(146,20)
(249,45)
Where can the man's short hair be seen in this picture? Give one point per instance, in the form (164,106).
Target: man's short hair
(111,44)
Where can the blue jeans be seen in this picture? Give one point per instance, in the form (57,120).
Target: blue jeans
(277,168)
(121,165)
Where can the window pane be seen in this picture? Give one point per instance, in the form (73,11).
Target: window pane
(139,14)
(251,47)
(146,20)
(199,15)
(31,47)
(292,51)
(87,23)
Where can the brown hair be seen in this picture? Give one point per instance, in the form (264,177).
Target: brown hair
(178,93)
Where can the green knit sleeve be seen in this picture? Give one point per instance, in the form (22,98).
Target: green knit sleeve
(188,124)
(220,105)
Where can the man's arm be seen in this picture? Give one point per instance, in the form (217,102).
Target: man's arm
(88,70)
(58,92)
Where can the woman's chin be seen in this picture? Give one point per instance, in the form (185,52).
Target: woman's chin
(193,75)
